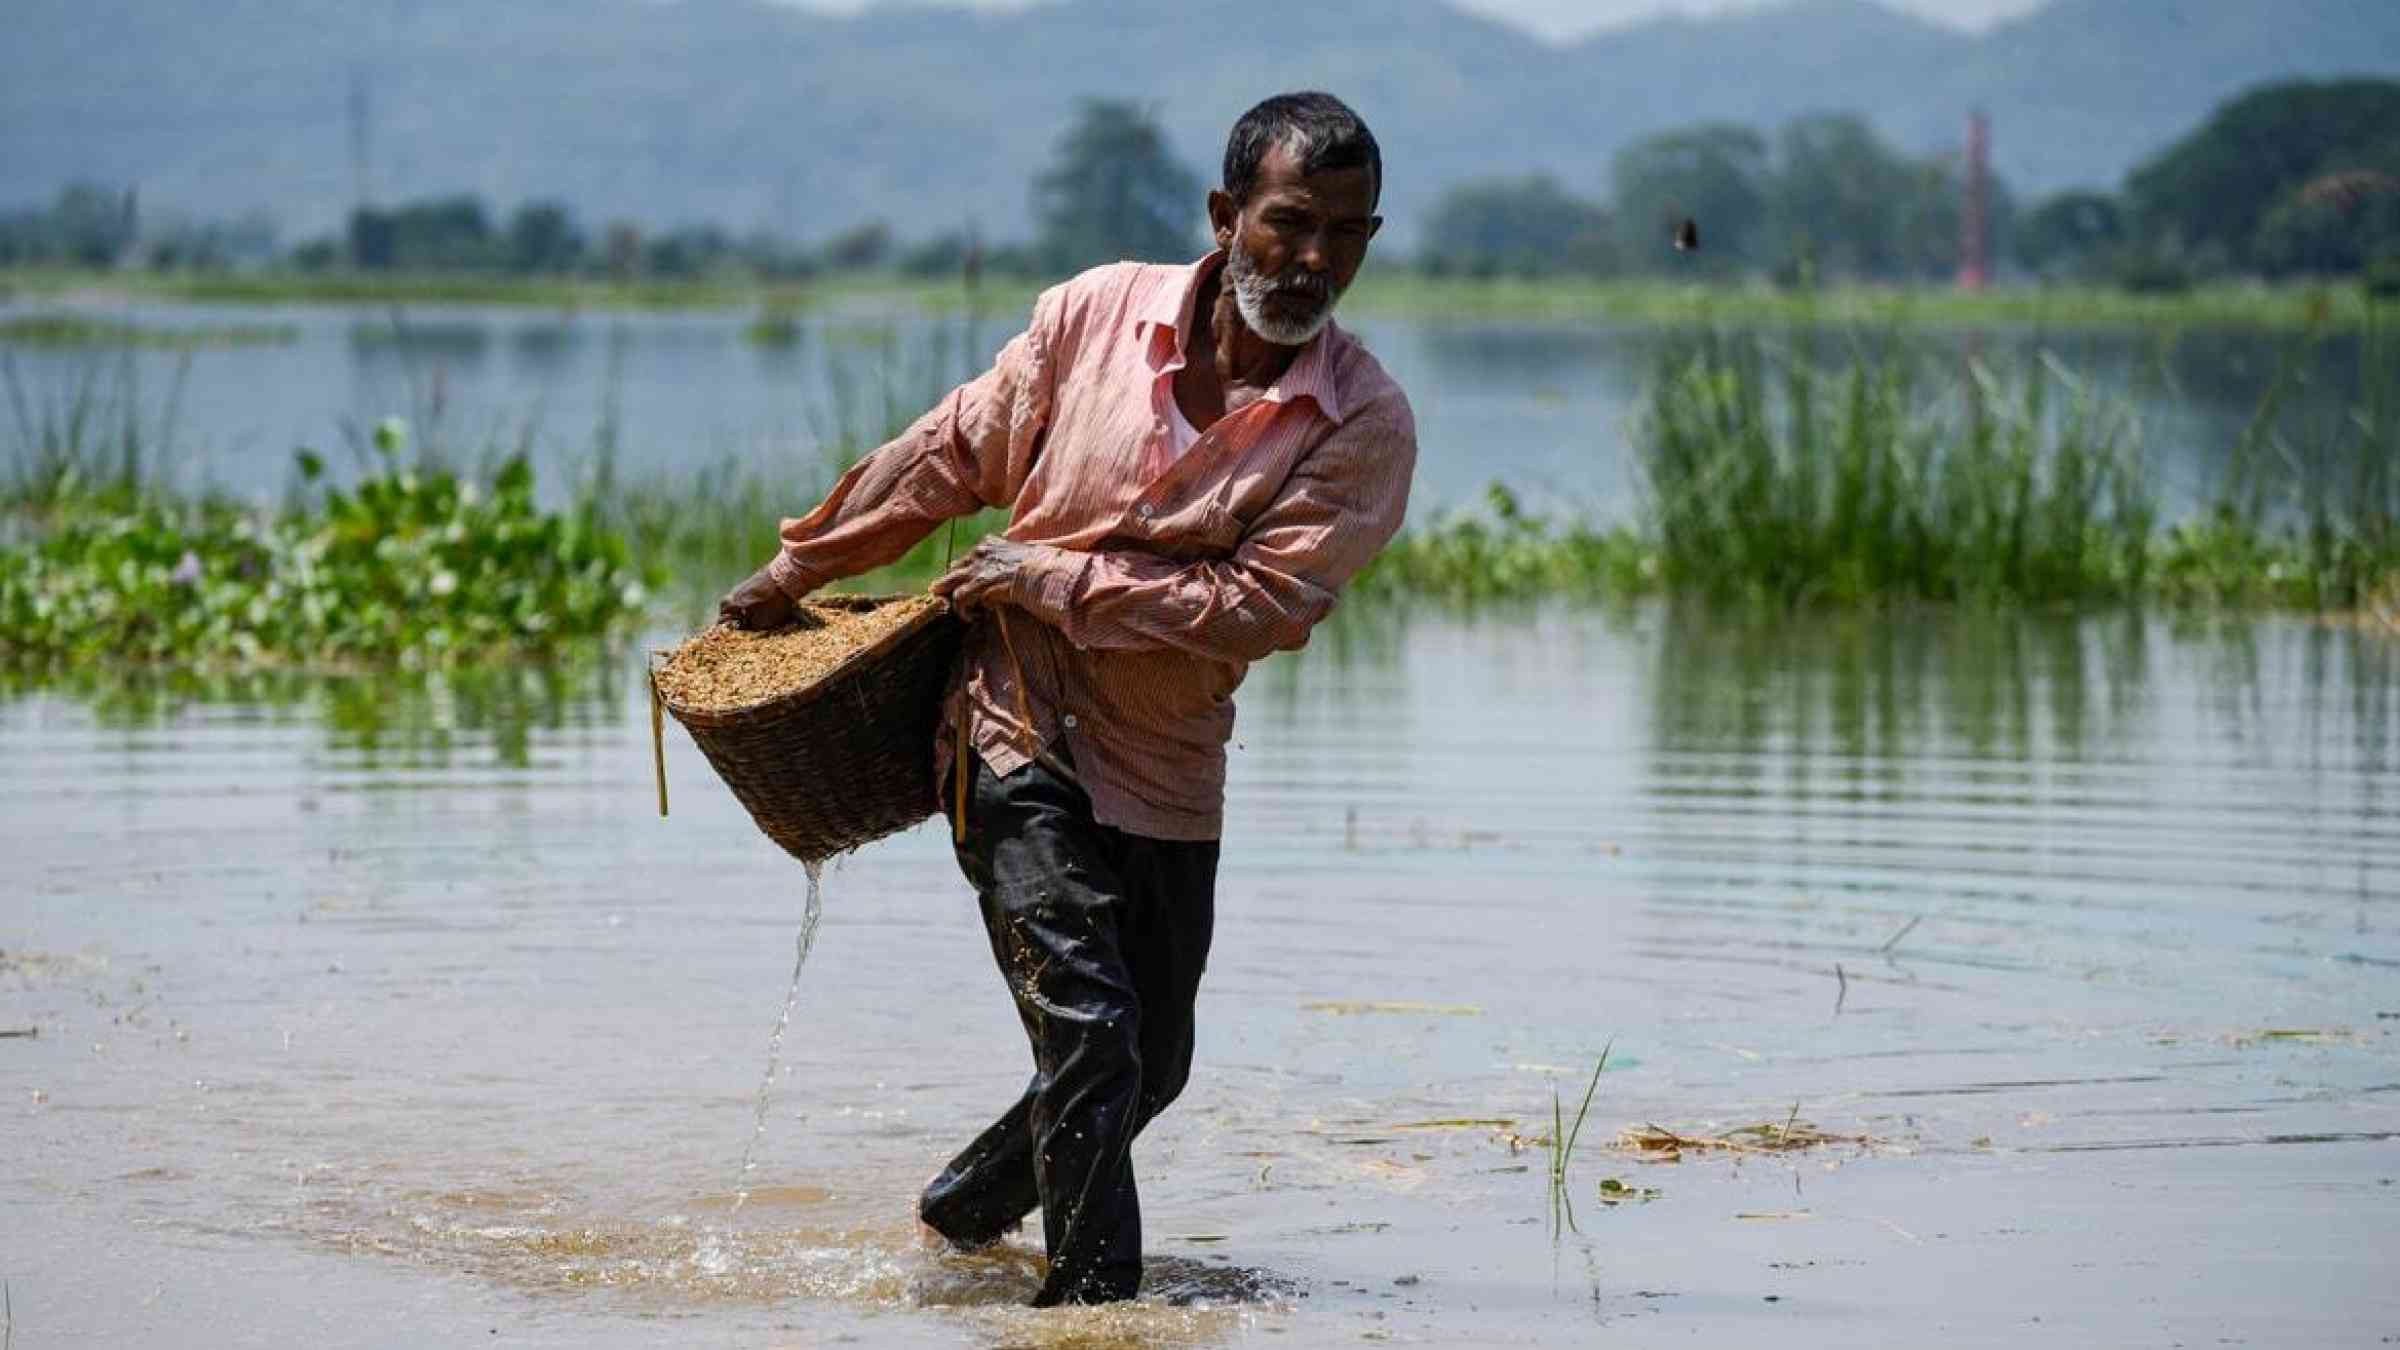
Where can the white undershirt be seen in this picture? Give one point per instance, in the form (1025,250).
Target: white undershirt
(1180,432)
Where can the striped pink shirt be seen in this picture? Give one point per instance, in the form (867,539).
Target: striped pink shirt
(1157,578)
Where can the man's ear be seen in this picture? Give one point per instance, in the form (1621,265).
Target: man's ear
(1223,215)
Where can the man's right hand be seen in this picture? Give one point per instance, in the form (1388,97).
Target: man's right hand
(757,604)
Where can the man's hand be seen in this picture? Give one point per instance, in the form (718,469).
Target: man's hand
(757,604)
(985,575)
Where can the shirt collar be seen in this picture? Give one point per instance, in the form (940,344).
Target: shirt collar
(1169,308)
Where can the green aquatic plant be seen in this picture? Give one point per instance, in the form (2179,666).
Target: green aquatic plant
(1507,552)
(2308,512)
(1775,475)
(1562,1143)
(83,330)
(407,567)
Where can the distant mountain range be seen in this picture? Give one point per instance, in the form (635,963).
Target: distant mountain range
(753,114)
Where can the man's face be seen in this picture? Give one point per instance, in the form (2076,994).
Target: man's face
(1295,245)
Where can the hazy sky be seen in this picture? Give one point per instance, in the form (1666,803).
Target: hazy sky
(1572,18)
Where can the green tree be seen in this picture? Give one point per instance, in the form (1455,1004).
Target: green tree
(2209,193)
(860,247)
(1930,213)
(2070,234)
(94,225)
(436,233)
(1114,190)
(1519,226)
(542,237)
(2306,233)
(689,251)
(1840,199)
(1716,174)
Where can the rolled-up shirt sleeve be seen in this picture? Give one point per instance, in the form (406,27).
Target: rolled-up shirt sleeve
(1340,506)
(971,450)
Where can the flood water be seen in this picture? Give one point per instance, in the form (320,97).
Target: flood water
(392,1013)
(1541,406)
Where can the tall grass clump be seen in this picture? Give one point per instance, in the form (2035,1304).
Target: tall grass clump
(1772,475)
(83,434)
(2307,514)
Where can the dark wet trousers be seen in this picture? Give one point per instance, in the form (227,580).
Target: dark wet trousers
(1101,936)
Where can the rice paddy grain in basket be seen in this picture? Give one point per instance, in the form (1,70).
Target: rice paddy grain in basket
(727,668)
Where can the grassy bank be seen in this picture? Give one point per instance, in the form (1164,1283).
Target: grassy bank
(1383,291)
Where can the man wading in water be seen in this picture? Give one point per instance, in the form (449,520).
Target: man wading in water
(1194,461)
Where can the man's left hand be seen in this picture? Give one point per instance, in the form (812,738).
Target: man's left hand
(986,575)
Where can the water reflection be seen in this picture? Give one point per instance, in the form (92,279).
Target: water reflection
(381,720)
(1884,686)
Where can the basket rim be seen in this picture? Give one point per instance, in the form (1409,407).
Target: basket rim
(795,698)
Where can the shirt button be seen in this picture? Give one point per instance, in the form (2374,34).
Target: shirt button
(1069,719)
(1144,510)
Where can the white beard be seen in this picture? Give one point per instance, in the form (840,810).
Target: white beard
(1251,288)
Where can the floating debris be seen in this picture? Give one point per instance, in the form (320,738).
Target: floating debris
(1654,1143)
(2295,1036)
(1616,1192)
(1355,1007)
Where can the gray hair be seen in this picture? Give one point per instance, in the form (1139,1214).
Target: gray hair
(1316,129)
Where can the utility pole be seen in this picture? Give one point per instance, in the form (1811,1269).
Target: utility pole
(360,144)
(1975,222)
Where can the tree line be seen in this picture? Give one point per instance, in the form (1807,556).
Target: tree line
(2293,179)
(2286,180)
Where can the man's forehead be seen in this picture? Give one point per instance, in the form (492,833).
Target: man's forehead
(1280,175)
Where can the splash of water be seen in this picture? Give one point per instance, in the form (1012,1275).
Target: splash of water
(758,1125)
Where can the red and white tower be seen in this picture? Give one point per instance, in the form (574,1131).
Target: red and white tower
(1975,222)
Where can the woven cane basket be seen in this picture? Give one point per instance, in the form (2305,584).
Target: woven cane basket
(831,765)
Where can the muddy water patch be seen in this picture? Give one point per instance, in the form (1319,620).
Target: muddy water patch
(792,1246)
